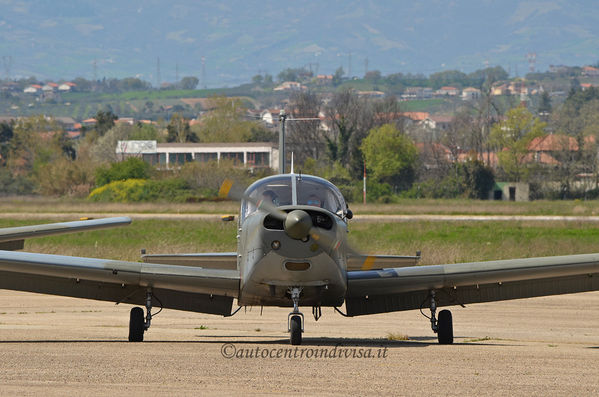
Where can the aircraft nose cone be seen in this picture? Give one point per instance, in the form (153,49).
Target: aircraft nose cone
(298,224)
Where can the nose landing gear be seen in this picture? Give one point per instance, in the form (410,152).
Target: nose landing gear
(295,319)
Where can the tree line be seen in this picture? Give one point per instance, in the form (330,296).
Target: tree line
(344,134)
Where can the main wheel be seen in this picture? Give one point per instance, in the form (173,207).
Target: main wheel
(136,325)
(295,333)
(445,328)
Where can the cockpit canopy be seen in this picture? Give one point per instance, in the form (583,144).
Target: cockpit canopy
(294,189)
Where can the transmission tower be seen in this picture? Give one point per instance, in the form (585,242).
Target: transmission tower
(204,72)
(177,72)
(365,66)
(7,63)
(532,59)
(158,72)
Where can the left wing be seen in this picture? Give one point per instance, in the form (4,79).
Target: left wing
(404,288)
(12,238)
(215,260)
(177,287)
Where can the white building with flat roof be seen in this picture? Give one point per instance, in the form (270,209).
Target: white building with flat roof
(167,155)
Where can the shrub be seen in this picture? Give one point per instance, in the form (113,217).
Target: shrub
(138,190)
(132,168)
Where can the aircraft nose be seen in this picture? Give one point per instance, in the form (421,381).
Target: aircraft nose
(298,224)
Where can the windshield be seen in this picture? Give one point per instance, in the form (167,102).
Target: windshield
(291,189)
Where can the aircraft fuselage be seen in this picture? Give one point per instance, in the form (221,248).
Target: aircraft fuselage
(270,262)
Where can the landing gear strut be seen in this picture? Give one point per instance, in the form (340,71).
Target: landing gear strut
(443,327)
(137,323)
(295,319)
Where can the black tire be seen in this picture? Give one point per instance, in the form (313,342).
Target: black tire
(136,325)
(295,333)
(445,328)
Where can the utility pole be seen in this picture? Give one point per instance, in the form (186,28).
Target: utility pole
(364,187)
(282,117)
(349,75)
(95,63)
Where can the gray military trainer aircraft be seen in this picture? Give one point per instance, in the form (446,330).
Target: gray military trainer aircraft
(292,252)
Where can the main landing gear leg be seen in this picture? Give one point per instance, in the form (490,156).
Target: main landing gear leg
(137,323)
(443,327)
(295,319)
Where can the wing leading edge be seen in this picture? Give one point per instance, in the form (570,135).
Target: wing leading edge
(177,287)
(395,289)
(12,238)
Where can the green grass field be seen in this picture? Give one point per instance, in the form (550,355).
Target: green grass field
(83,207)
(440,242)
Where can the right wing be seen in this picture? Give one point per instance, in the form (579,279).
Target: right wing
(405,288)
(12,238)
(177,287)
(373,262)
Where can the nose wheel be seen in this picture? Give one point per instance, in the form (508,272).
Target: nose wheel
(295,319)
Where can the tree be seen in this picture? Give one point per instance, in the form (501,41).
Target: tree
(132,168)
(6,134)
(544,104)
(304,136)
(390,155)
(105,121)
(446,78)
(225,122)
(297,74)
(512,138)
(350,118)
(338,76)
(189,83)
(373,76)
(32,146)
(258,79)
(179,130)
(343,113)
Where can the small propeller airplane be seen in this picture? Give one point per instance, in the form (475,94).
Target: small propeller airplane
(292,251)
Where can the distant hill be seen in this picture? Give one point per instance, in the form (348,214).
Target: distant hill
(239,39)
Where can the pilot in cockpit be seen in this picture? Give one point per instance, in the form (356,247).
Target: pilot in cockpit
(313,200)
(270,197)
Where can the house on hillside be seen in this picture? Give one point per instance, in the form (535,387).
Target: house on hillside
(65,87)
(270,116)
(290,86)
(438,122)
(470,94)
(549,149)
(590,71)
(32,89)
(417,93)
(447,91)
